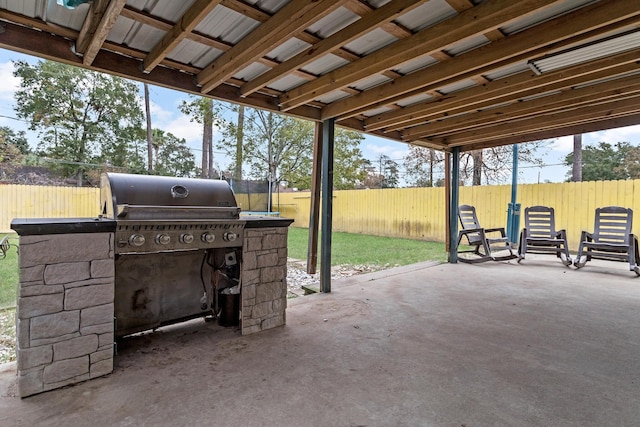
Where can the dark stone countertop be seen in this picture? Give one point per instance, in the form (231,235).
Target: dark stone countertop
(260,221)
(43,226)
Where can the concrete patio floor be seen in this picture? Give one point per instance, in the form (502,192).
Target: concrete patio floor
(536,344)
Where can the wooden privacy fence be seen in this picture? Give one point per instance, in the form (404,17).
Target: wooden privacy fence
(416,213)
(419,213)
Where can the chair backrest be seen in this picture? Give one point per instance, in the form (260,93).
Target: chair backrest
(467,216)
(613,225)
(469,220)
(540,221)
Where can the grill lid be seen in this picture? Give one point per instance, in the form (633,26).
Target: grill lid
(146,197)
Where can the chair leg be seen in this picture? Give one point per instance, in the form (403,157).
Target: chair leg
(581,259)
(522,246)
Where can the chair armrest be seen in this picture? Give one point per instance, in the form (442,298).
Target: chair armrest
(585,236)
(471,230)
(496,230)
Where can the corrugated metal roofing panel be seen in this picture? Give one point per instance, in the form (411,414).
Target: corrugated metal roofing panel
(376,111)
(251,72)
(540,95)
(454,87)
(370,82)
(227,25)
(270,6)
(69,18)
(427,15)
(206,57)
(332,96)
(31,8)
(188,52)
(168,10)
(378,3)
(371,42)
(287,82)
(325,64)
(415,64)
(143,37)
(121,29)
(333,22)
(467,45)
(288,49)
(507,71)
(544,15)
(416,99)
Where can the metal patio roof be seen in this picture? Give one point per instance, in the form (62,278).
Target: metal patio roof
(437,73)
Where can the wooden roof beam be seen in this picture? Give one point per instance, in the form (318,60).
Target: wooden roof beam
(335,41)
(294,17)
(569,99)
(503,90)
(196,13)
(480,19)
(590,21)
(575,129)
(610,108)
(100,19)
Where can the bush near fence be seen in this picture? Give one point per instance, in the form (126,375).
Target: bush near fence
(416,213)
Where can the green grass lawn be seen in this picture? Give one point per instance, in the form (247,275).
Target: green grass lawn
(9,275)
(361,249)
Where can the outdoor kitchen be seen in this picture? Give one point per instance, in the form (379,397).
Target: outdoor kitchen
(164,250)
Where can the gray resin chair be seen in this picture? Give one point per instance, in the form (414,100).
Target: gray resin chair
(485,248)
(540,235)
(611,239)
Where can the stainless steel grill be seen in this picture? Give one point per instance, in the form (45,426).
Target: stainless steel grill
(178,244)
(156,213)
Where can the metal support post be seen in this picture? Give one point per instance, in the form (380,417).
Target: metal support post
(327,204)
(453,210)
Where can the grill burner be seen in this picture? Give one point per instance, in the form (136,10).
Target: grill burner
(178,245)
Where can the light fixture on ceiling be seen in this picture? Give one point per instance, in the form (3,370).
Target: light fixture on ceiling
(588,52)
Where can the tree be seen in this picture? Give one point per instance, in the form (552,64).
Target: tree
(172,156)
(420,164)
(495,164)
(349,168)
(274,145)
(604,162)
(384,175)
(77,113)
(202,110)
(577,158)
(18,140)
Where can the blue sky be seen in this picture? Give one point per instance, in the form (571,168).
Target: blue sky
(166,115)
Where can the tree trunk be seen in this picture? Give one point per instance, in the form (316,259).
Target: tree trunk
(207,140)
(432,154)
(237,173)
(577,158)
(149,138)
(477,167)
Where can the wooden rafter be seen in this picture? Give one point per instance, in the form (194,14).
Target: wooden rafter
(595,20)
(294,17)
(332,43)
(185,25)
(96,26)
(593,125)
(602,110)
(482,18)
(502,90)
(568,99)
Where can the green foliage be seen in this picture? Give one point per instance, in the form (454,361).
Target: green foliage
(18,140)
(605,162)
(9,274)
(354,249)
(81,116)
(386,174)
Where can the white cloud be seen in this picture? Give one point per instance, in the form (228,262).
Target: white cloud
(9,83)
(564,144)
(395,151)
(626,134)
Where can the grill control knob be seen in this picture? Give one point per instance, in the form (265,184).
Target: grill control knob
(208,237)
(136,240)
(186,238)
(163,239)
(230,236)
